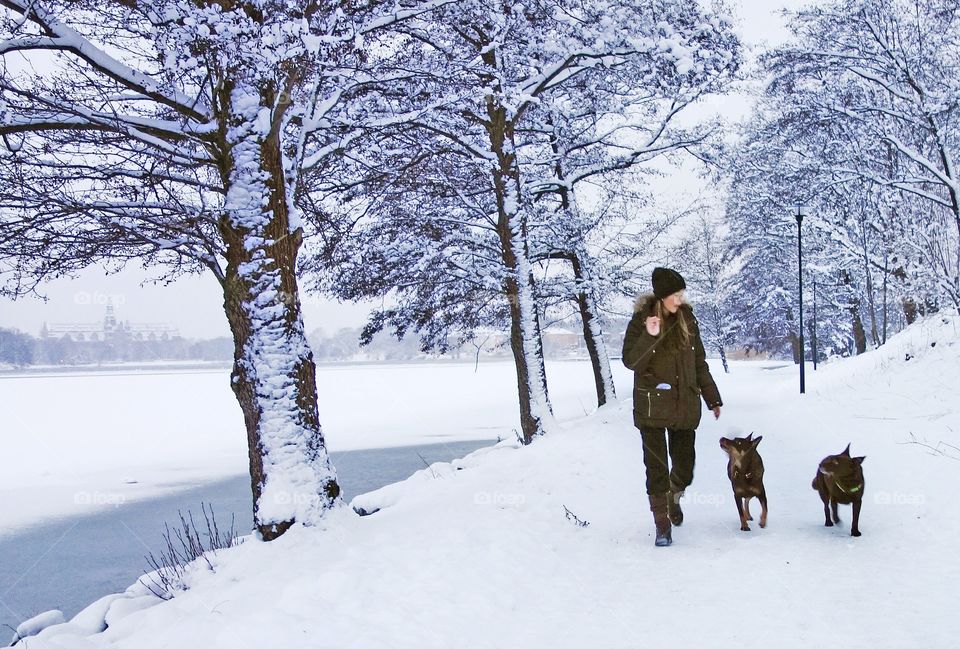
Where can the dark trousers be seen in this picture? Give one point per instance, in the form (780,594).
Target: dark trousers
(662,478)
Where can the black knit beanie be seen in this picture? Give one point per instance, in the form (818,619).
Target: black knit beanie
(667,281)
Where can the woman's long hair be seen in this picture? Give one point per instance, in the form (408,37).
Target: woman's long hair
(681,322)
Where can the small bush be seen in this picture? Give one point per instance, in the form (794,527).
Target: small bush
(183,547)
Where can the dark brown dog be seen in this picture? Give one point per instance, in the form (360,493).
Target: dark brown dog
(745,470)
(840,480)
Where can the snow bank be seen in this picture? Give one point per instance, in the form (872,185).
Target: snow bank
(37,623)
(930,342)
(913,377)
(479,552)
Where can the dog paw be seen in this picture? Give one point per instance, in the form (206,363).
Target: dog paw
(744,528)
(763,523)
(749,518)
(828,524)
(855,533)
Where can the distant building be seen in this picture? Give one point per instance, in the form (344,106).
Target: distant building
(109,329)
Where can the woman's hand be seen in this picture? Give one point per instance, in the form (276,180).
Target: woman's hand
(716,412)
(653,326)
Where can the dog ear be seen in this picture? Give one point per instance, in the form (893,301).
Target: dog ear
(859,460)
(750,437)
(846,451)
(757,441)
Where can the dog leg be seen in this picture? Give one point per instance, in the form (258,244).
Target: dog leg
(826,509)
(746,508)
(833,505)
(743,520)
(763,507)
(855,529)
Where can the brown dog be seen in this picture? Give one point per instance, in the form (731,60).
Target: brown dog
(840,480)
(745,470)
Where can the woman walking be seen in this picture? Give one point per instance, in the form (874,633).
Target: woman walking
(663,348)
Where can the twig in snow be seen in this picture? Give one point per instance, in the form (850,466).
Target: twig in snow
(427,464)
(942,448)
(573,517)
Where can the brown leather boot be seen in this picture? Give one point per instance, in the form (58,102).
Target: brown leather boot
(658,505)
(673,507)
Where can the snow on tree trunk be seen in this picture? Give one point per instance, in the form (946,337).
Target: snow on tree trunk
(579,259)
(593,334)
(274,376)
(718,323)
(526,342)
(525,339)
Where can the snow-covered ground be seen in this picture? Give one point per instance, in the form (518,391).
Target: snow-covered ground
(79,442)
(479,553)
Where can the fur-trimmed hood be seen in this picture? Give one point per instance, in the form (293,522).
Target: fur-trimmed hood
(644,303)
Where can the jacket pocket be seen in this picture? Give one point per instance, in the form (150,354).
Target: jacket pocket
(651,403)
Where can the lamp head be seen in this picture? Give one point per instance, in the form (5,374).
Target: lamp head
(801,212)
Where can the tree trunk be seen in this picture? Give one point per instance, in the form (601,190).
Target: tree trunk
(274,376)
(525,338)
(859,335)
(909,309)
(886,310)
(593,334)
(908,304)
(871,301)
(721,339)
(874,333)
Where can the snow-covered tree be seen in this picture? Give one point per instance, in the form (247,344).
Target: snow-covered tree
(884,75)
(775,169)
(172,132)
(859,122)
(459,246)
(597,135)
(710,273)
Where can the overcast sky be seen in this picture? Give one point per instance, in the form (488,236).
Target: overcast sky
(195,304)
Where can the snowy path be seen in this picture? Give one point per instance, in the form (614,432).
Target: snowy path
(478,553)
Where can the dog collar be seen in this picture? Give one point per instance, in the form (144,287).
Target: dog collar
(852,490)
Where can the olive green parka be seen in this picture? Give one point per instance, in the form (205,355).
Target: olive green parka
(664,360)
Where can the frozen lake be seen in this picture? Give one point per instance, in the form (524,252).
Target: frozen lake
(96,462)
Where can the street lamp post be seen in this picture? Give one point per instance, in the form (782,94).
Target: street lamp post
(800,213)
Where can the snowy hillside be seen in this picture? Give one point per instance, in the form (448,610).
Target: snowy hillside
(479,552)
